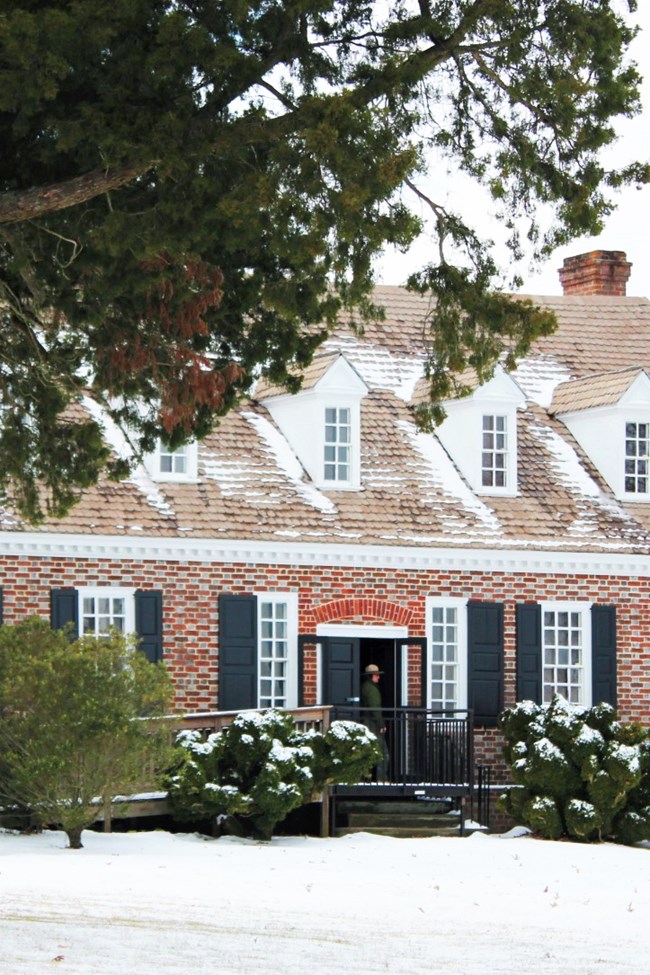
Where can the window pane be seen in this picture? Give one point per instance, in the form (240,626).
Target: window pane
(494,456)
(444,675)
(274,652)
(637,449)
(562,644)
(337,441)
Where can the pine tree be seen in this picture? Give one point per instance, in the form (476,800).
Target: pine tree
(191,190)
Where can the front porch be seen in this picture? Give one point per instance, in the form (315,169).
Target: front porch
(430,773)
(430,763)
(430,781)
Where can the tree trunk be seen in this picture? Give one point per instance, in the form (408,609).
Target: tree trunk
(74,838)
(108,814)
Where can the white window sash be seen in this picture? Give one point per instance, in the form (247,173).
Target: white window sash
(494,458)
(337,445)
(103,605)
(459,605)
(268,664)
(636,471)
(584,612)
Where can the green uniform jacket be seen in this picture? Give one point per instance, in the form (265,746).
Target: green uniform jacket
(371,699)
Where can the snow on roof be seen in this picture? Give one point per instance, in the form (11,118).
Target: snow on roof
(122,449)
(251,484)
(380,369)
(289,463)
(443,473)
(539,378)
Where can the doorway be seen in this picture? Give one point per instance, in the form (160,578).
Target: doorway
(346,652)
(383,653)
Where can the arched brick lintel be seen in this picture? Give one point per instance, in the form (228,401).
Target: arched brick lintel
(363,608)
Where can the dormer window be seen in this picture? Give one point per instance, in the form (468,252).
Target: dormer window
(174,465)
(637,457)
(480,435)
(322,422)
(173,461)
(337,443)
(494,456)
(609,416)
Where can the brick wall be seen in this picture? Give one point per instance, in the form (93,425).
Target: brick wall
(335,594)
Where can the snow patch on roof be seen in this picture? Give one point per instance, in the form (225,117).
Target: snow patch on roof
(566,464)
(379,368)
(113,435)
(121,447)
(538,379)
(283,455)
(443,474)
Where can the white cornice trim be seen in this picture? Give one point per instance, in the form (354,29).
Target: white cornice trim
(212,550)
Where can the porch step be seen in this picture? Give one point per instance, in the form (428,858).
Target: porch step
(407,807)
(380,820)
(404,832)
(414,818)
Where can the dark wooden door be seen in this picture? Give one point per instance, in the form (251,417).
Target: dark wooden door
(341,671)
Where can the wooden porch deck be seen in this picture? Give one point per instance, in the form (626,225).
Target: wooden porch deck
(430,757)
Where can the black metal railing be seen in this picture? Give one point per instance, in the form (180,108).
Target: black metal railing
(483,795)
(424,746)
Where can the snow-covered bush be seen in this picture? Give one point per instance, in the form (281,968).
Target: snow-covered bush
(257,770)
(579,772)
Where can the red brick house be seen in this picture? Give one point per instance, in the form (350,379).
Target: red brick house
(504,557)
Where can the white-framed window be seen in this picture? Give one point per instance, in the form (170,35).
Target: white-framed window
(104,609)
(447,653)
(566,653)
(277,638)
(637,458)
(337,450)
(174,465)
(173,461)
(494,451)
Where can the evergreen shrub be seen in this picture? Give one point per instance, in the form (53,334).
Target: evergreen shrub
(250,776)
(71,734)
(578,772)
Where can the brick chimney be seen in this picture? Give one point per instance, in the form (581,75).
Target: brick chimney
(596,273)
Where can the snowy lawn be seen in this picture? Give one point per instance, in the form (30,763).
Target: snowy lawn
(156,903)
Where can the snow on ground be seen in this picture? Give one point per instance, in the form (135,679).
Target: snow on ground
(162,904)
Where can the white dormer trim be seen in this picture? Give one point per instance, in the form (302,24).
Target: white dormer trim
(302,418)
(179,465)
(602,433)
(462,434)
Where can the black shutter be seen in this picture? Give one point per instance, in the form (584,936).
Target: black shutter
(603,654)
(529,652)
(237,652)
(148,623)
(2,606)
(485,661)
(64,611)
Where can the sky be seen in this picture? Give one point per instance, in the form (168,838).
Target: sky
(161,904)
(627,229)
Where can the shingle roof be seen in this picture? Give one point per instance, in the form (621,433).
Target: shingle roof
(251,485)
(604,389)
(310,376)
